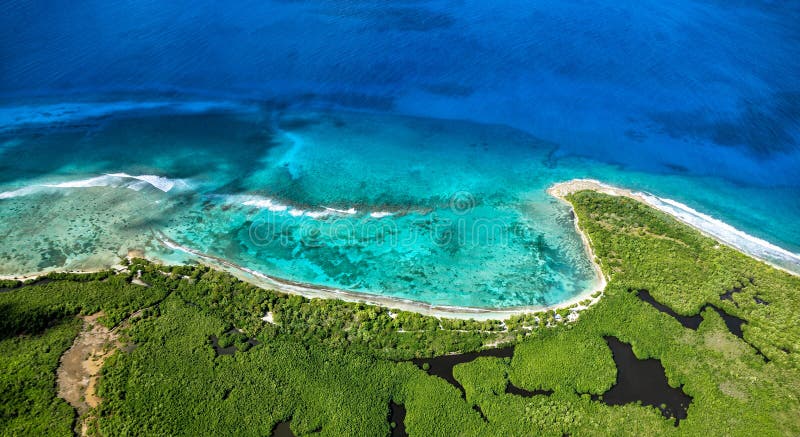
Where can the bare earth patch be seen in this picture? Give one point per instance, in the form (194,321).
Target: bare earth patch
(80,366)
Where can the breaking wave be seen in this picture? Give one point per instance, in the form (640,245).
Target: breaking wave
(114,180)
(274,205)
(726,233)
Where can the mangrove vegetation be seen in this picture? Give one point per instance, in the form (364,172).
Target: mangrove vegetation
(335,368)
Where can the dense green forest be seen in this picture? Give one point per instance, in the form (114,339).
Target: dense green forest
(332,367)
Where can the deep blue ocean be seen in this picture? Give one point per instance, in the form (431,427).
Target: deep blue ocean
(289,121)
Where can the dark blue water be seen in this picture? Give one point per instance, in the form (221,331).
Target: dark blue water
(698,101)
(706,87)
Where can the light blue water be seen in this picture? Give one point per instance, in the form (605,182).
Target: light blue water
(248,108)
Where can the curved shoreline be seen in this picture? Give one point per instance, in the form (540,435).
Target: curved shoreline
(718,230)
(454,312)
(707,225)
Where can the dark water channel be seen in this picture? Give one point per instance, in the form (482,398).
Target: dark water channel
(638,381)
(443,366)
(397,416)
(282,429)
(643,381)
(733,323)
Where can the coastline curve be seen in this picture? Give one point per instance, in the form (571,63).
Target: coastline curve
(752,246)
(718,230)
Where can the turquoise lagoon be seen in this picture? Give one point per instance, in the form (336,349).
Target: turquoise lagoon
(440,212)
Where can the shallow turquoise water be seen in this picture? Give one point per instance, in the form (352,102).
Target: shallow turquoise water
(242,108)
(437,211)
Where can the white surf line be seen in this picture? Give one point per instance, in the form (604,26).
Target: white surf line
(754,247)
(113,180)
(380,214)
(350,211)
(266,203)
(271,204)
(24,191)
(162,183)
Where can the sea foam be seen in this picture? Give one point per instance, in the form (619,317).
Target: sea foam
(24,191)
(349,211)
(713,227)
(274,205)
(724,232)
(160,182)
(266,204)
(114,180)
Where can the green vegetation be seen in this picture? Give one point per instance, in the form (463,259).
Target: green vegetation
(200,393)
(642,248)
(9,284)
(333,367)
(586,366)
(37,325)
(34,307)
(28,402)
